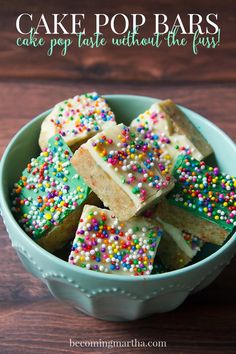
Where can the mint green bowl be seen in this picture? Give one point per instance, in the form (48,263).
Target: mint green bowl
(105,296)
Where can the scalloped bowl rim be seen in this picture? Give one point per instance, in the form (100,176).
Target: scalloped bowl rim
(69,266)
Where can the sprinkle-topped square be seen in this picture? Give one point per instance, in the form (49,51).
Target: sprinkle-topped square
(104,244)
(177,247)
(170,132)
(77,119)
(123,170)
(48,191)
(204,191)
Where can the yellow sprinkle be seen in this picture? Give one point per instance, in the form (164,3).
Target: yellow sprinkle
(65,179)
(48,216)
(81,196)
(217,217)
(225,204)
(201,186)
(47,185)
(45,153)
(185,204)
(78,189)
(205,209)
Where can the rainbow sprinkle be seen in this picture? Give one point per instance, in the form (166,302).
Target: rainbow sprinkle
(48,190)
(103,244)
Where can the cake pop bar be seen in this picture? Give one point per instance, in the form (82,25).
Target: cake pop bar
(47,199)
(104,244)
(177,247)
(123,170)
(203,202)
(167,128)
(77,119)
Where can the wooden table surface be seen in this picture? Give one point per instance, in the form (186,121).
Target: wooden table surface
(31,321)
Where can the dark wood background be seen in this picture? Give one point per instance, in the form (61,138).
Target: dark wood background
(31,321)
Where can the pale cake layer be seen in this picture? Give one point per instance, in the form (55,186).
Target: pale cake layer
(103,185)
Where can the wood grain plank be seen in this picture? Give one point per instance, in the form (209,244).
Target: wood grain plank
(216,102)
(120,63)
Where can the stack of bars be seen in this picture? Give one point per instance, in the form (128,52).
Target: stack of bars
(133,199)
